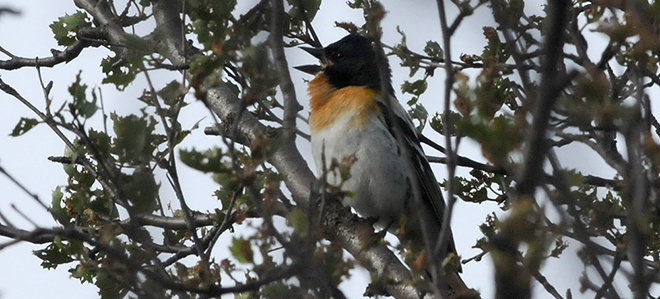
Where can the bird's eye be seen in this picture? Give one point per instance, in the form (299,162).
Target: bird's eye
(337,56)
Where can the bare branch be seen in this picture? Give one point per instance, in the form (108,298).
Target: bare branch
(548,91)
(168,32)
(291,105)
(87,37)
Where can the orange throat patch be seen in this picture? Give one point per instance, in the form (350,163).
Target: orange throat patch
(328,103)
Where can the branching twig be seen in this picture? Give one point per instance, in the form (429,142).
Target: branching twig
(87,37)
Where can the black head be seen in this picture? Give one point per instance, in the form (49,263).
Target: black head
(351,61)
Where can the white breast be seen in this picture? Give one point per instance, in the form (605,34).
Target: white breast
(378,182)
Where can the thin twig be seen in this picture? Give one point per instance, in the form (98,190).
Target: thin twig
(450,150)
(25,189)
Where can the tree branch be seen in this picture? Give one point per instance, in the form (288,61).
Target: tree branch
(291,105)
(87,37)
(168,30)
(536,148)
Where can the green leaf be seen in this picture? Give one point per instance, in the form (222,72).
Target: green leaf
(274,290)
(83,273)
(52,257)
(56,209)
(134,141)
(434,50)
(311,7)
(514,11)
(233,87)
(66,27)
(207,161)
(171,93)
(101,142)
(419,113)
(23,126)
(59,252)
(70,169)
(298,220)
(141,190)
(119,75)
(82,107)
(109,287)
(416,88)
(241,249)
(438,124)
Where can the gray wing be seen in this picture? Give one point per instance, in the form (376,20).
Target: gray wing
(430,192)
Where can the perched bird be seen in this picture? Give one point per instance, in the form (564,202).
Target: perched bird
(351,127)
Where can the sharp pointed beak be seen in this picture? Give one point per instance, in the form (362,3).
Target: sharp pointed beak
(316,52)
(312,69)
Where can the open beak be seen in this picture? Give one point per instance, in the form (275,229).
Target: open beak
(316,52)
(312,69)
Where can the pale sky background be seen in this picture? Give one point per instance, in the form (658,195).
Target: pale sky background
(24,157)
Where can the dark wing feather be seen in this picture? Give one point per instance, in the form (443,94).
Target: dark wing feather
(429,189)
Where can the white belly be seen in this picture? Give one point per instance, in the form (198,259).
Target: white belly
(378,182)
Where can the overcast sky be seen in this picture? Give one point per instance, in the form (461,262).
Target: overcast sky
(25,157)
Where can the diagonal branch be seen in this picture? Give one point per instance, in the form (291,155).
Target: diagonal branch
(87,37)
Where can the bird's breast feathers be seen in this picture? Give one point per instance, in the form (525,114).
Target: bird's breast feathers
(348,122)
(328,104)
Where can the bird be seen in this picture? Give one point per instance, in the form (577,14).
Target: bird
(353,123)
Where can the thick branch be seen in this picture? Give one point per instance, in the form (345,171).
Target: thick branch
(537,143)
(102,13)
(508,283)
(168,24)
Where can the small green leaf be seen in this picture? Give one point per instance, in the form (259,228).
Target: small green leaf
(171,93)
(311,7)
(416,88)
(419,113)
(207,161)
(52,257)
(141,190)
(135,140)
(101,142)
(298,220)
(119,75)
(59,252)
(84,274)
(241,249)
(434,50)
(109,287)
(66,27)
(23,126)
(82,107)
(233,87)
(56,209)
